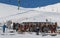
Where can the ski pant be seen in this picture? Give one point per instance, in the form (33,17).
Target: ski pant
(3,31)
(37,33)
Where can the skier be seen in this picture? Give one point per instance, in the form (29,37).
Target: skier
(4,26)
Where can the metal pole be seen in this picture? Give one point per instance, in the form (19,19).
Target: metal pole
(18,4)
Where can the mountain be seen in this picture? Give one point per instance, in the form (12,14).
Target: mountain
(50,8)
(10,12)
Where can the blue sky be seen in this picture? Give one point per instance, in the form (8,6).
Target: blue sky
(30,3)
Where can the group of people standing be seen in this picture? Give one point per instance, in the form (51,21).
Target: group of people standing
(25,28)
(44,28)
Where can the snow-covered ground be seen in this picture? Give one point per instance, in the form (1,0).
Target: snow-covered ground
(25,35)
(7,34)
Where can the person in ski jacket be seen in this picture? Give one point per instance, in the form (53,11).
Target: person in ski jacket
(4,26)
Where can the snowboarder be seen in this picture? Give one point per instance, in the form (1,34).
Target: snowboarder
(4,26)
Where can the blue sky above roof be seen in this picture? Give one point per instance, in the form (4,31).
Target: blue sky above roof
(30,3)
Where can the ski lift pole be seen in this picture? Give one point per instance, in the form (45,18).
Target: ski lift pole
(18,4)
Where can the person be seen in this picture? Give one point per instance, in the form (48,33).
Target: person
(37,30)
(31,29)
(53,29)
(17,27)
(14,26)
(24,28)
(4,26)
(46,28)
